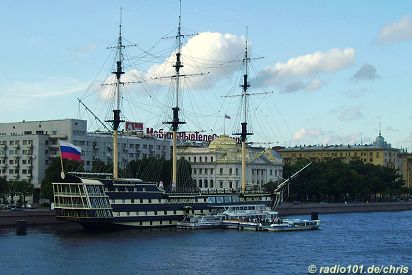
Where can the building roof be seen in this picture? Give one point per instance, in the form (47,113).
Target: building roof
(348,147)
(223,142)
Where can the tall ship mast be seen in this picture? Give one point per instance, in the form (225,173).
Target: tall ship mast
(244,133)
(175,119)
(116,112)
(97,201)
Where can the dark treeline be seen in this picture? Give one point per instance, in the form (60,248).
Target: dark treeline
(147,169)
(15,188)
(336,181)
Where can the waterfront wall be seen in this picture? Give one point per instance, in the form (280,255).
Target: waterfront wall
(325,208)
(33,217)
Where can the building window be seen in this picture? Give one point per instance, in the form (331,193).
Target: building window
(200,171)
(230,171)
(211,183)
(211,159)
(221,171)
(194,159)
(194,171)
(206,184)
(200,183)
(205,171)
(221,184)
(200,159)
(211,171)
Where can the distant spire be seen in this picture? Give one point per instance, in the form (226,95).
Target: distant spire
(380,128)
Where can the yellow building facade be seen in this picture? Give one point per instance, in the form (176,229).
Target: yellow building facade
(377,153)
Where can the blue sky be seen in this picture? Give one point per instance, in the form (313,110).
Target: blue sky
(337,68)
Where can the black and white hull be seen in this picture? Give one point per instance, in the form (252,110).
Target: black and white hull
(102,203)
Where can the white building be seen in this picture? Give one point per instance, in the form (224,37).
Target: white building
(219,164)
(26,148)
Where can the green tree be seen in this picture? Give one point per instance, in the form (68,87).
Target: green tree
(3,189)
(23,189)
(12,190)
(335,180)
(53,172)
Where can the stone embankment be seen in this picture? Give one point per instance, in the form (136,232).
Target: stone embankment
(328,208)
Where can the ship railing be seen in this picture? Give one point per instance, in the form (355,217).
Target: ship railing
(82,206)
(57,193)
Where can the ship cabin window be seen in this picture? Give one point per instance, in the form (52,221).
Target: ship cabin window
(161,222)
(174,212)
(151,223)
(135,189)
(219,199)
(165,212)
(170,222)
(141,223)
(144,189)
(211,200)
(155,213)
(150,200)
(141,200)
(123,201)
(132,200)
(128,213)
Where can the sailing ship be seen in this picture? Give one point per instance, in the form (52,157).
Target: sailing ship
(103,201)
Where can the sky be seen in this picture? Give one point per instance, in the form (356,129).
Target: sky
(324,72)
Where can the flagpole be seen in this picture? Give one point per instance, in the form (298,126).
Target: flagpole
(224,123)
(62,175)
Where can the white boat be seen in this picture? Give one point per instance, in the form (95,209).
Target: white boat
(291,225)
(201,222)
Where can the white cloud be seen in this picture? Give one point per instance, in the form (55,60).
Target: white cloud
(81,53)
(305,133)
(107,90)
(397,31)
(319,136)
(207,52)
(366,72)
(357,93)
(350,114)
(46,87)
(305,69)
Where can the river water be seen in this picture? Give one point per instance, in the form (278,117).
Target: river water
(376,238)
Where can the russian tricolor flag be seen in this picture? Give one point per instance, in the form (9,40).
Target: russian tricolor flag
(70,151)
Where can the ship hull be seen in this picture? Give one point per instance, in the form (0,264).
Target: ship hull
(99,204)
